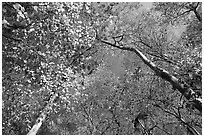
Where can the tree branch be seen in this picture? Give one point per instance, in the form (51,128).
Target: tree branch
(183,88)
(43,115)
(180,119)
(15,39)
(162,58)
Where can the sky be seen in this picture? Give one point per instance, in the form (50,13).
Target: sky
(147,5)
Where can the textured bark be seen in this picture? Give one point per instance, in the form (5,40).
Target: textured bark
(183,88)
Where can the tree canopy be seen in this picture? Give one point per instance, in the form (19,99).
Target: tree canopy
(102,68)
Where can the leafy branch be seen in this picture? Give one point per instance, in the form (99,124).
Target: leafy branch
(183,88)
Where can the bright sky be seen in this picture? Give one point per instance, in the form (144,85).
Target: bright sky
(147,5)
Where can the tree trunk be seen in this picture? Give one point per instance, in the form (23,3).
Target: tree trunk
(42,116)
(183,88)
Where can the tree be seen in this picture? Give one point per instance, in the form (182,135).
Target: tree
(101,68)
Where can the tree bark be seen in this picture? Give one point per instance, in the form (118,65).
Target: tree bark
(183,88)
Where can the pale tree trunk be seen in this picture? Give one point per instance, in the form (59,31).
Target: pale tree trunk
(43,115)
(183,88)
(37,125)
